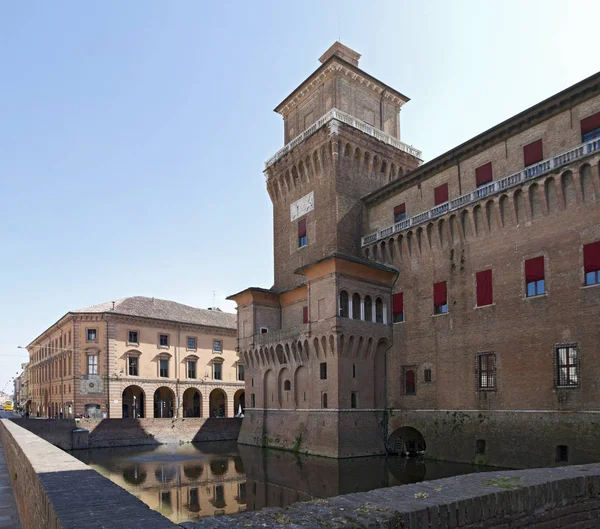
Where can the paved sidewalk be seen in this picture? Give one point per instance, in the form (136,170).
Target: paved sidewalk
(9,516)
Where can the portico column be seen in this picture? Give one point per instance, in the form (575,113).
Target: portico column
(362,309)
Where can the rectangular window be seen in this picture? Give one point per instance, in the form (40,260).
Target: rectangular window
(92,364)
(264,330)
(133,337)
(92,334)
(440,298)
(400,213)
(240,372)
(305,314)
(486,371)
(191,345)
(591,263)
(164,368)
(217,371)
(217,346)
(427,375)
(164,340)
(132,362)
(566,364)
(253,400)
(534,276)
(323,370)
(533,153)
(398,307)
(440,194)
(410,381)
(302,241)
(191,369)
(483,174)
(590,127)
(485,292)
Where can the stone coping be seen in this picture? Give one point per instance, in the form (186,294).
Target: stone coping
(55,490)
(546,497)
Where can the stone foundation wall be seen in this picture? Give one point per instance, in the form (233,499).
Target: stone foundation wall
(512,439)
(104,433)
(327,433)
(55,490)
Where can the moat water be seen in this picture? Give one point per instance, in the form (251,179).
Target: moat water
(187,482)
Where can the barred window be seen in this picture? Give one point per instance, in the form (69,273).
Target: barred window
(486,371)
(566,364)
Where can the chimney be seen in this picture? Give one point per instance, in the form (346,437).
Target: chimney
(113,308)
(341,51)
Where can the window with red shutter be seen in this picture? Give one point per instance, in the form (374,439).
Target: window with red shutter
(409,382)
(399,213)
(305,314)
(440,298)
(302,241)
(591,263)
(590,127)
(533,153)
(440,194)
(534,276)
(483,174)
(398,307)
(485,293)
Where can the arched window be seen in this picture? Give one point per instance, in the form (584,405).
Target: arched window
(287,386)
(353,400)
(409,382)
(324,400)
(379,310)
(356,307)
(368,309)
(343,304)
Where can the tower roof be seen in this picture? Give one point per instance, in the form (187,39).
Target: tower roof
(344,52)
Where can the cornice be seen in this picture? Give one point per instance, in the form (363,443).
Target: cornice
(333,65)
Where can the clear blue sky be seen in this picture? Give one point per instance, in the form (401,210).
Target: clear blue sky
(133,134)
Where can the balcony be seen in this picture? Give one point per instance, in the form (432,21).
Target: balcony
(342,117)
(280,335)
(492,189)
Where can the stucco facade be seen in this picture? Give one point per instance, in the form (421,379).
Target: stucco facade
(138,357)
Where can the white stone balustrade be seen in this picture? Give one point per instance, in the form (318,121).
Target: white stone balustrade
(493,188)
(342,117)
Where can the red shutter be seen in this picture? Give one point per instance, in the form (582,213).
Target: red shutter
(398,303)
(485,293)
(410,378)
(483,174)
(533,153)
(440,194)
(534,269)
(400,209)
(305,314)
(439,294)
(590,123)
(302,228)
(591,257)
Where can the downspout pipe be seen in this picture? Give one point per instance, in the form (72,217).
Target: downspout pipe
(385,421)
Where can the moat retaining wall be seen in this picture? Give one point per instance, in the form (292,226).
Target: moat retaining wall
(515,439)
(56,491)
(104,433)
(548,498)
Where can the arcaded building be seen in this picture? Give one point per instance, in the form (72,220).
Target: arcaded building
(137,357)
(440,306)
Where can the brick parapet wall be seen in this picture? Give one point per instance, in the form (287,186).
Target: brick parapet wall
(104,433)
(55,490)
(567,497)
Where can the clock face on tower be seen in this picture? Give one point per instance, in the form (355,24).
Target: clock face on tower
(302,206)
